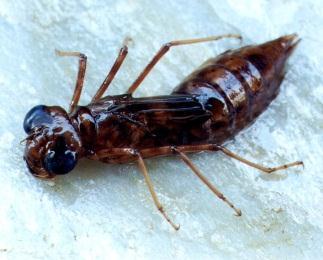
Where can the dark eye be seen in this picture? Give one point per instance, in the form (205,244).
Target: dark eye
(60,163)
(36,116)
(60,160)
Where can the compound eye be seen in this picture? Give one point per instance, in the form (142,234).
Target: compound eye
(35,117)
(60,159)
(60,162)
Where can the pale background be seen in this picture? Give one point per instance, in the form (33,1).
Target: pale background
(102,211)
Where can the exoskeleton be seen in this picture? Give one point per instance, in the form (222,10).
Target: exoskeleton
(224,95)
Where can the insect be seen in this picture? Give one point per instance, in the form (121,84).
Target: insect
(210,106)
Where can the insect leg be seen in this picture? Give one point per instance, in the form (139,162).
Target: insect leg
(165,48)
(80,76)
(214,147)
(257,166)
(131,153)
(113,71)
(159,206)
(205,180)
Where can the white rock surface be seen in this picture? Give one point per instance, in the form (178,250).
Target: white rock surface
(105,212)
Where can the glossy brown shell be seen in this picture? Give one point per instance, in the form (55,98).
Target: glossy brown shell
(211,105)
(242,84)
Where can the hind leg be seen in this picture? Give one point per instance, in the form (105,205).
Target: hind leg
(165,48)
(166,150)
(258,166)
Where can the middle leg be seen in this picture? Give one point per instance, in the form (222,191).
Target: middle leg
(113,71)
(197,172)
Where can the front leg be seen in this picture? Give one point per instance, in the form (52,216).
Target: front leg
(80,76)
(129,154)
(114,155)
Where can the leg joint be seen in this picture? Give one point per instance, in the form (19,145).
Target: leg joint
(134,152)
(160,208)
(174,149)
(215,147)
(167,45)
(83,56)
(124,50)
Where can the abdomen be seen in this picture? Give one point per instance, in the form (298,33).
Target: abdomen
(211,105)
(239,84)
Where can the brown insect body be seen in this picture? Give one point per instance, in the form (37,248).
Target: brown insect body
(211,105)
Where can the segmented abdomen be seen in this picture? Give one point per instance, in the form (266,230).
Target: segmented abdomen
(239,84)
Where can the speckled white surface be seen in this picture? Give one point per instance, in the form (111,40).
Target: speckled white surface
(105,212)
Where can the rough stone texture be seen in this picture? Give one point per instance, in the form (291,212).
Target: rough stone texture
(105,211)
